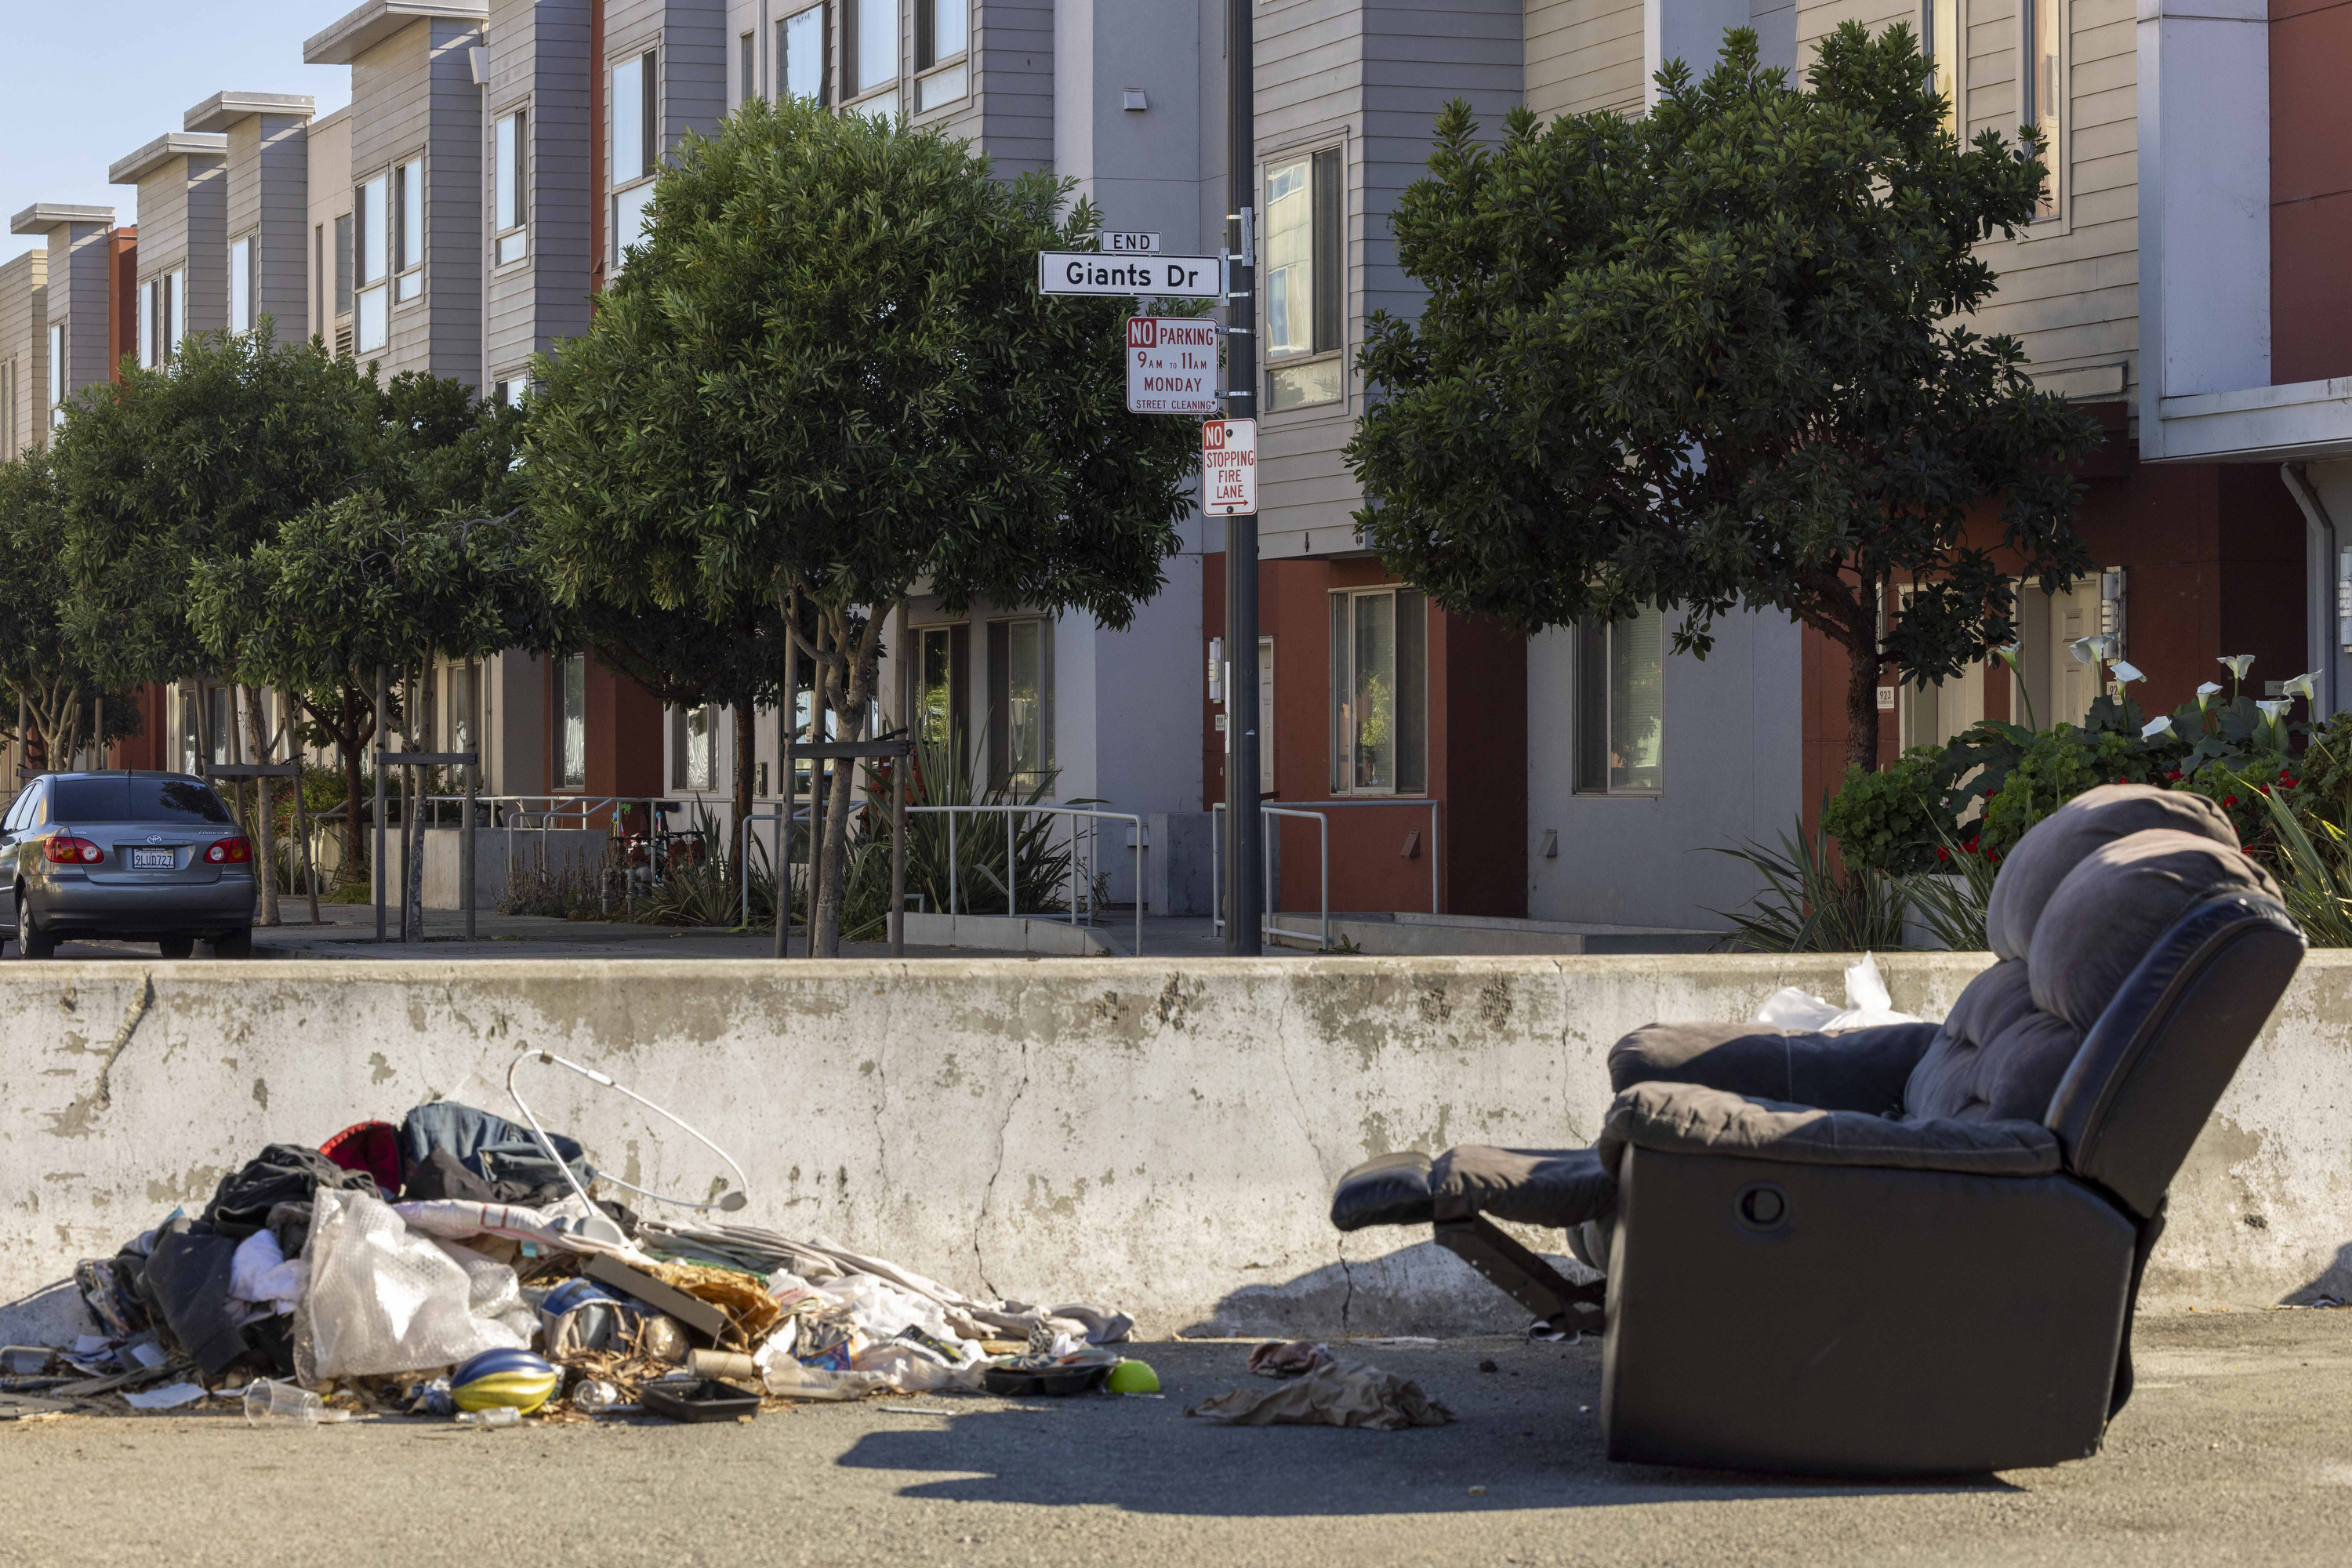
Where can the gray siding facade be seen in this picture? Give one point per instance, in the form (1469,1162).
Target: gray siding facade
(24,350)
(537,63)
(269,198)
(75,278)
(182,180)
(327,150)
(690,41)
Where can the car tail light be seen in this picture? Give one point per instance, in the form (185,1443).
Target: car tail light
(229,851)
(64,850)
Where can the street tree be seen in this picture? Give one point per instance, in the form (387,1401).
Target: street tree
(1709,359)
(826,374)
(55,699)
(200,461)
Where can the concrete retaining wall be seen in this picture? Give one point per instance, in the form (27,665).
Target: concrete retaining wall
(1162,1135)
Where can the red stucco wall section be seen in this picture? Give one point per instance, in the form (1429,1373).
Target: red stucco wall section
(2311,191)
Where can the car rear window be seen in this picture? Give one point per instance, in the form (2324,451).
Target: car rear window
(135,800)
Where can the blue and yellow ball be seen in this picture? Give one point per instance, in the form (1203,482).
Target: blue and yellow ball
(515,1378)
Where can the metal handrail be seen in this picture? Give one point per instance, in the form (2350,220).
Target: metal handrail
(1078,881)
(1216,859)
(553,809)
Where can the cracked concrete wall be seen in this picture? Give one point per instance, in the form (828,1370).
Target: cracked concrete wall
(1161,1135)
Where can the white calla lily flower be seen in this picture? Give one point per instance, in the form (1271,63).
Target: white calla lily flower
(2205,695)
(2160,725)
(2084,649)
(2126,673)
(2238,663)
(2303,686)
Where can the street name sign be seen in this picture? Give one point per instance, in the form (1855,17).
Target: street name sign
(1130,242)
(1140,277)
(1229,467)
(1171,365)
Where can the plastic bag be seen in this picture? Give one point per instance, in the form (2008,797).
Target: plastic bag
(382,1299)
(882,1311)
(789,1379)
(1866,1005)
(908,1369)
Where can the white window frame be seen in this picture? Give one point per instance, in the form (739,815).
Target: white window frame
(1346,652)
(633,193)
(1039,631)
(864,91)
(1583,778)
(510,186)
(2054,220)
(822,13)
(409,228)
(372,264)
(1317,372)
(943,63)
(59,338)
(244,284)
(1943,39)
(687,749)
(147,323)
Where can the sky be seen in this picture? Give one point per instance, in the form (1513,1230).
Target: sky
(91,80)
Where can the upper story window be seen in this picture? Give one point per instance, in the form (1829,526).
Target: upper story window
(1940,41)
(159,316)
(1621,705)
(942,35)
(1380,691)
(2043,101)
(510,202)
(804,44)
(372,251)
(636,148)
(873,73)
(408,245)
(746,67)
(1304,294)
(241,284)
(56,374)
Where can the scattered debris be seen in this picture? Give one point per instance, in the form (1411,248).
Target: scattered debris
(1336,1393)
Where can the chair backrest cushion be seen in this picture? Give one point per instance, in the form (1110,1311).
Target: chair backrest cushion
(1997,1059)
(2054,846)
(2116,904)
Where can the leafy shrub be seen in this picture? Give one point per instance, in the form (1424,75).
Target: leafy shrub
(1812,903)
(2059,763)
(1894,819)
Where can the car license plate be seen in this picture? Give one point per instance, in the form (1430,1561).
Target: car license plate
(154,860)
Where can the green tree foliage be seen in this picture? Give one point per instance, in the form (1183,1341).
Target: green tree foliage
(828,375)
(42,674)
(1705,360)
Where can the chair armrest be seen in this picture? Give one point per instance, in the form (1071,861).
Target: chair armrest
(1857,1070)
(1686,1119)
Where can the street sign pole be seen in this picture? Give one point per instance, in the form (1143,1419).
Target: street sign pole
(1245,900)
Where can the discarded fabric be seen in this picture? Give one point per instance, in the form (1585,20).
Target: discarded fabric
(1338,1394)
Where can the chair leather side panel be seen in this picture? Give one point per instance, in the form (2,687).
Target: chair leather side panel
(2158,1060)
(1894,1322)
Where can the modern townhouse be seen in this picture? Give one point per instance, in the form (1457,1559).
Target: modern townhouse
(23,352)
(272,258)
(77,329)
(182,184)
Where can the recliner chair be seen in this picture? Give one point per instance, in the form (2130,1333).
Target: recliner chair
(1911,1249)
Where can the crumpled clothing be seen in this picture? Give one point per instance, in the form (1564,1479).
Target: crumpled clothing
(455,1219)
(825,1259)
(1288,1358)
(262,1273)
(1341,1394)
(280,1174)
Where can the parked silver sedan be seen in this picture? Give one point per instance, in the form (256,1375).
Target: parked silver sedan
(140,857)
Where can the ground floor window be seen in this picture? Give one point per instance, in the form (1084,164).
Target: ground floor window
(1380,691)
(571,722)
(694,748)
(1621,705)
(1021,704)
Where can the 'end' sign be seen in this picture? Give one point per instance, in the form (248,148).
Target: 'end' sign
(1171,365)
(1229,467)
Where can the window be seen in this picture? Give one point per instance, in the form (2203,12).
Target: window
(343,257)
(240,285)
(942,29)
(56,374)
(936,706)
(191,739)
(319,280)
(2041,104)
(509,196)
(372,248)
(1304,293)
(1380,679)
(1940,41)
(694,748)
(801,45)
(147,292)
(175,303)
(1021,705)
(408,245)
(873,51)
(1621,705)
(635,148)
(571,720)
(746,86)
(461,681)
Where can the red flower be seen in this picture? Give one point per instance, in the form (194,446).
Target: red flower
(2172,777)
(1993,856)
(2285,783)
(2261,789)
(1942,853)
(2228,800)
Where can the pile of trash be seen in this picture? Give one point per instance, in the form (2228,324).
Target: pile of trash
(461,1265)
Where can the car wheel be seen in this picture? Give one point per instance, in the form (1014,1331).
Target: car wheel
(237,943)
(32,941)
(178,946)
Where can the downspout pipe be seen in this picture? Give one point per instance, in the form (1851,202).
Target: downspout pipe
(2321,631)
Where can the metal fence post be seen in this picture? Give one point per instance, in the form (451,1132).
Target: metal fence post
(377,741)
(898,767)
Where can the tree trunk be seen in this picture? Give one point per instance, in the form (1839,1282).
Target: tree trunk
(266,849)
(859,656)
(1861,708)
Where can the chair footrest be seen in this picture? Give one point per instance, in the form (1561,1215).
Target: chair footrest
(1555,1300)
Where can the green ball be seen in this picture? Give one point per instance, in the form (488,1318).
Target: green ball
(1134,1377)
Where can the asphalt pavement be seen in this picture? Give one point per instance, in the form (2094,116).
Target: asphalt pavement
(2237,1448)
